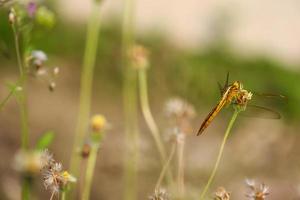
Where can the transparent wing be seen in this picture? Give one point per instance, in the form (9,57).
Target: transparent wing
(278,97)
(260,112)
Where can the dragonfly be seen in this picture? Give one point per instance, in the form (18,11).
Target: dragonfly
(235,94)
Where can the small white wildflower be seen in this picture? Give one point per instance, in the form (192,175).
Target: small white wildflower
(159,194)
(257,193)
(179,108)
(39,55)
(180,113)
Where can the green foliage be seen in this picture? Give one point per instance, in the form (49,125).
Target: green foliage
(45,140)
(45,17)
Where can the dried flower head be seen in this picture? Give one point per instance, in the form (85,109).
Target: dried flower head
(98,123)
(36,67)
(255,192)
(55,179)
(159,194)
(221,194)
(139,57)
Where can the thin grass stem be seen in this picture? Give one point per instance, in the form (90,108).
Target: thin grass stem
(213,173)
(130,106)
(165,167)
(89,60)
(91,163)
(180,172)
(143,91)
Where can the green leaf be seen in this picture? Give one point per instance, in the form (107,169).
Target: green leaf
(45,140)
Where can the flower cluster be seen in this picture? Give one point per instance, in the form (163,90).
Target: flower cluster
(29,11)
(257,193)
(36,67)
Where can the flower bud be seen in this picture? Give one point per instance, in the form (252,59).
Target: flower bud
(52,86)
(98,123)
(138,56)
(12,16)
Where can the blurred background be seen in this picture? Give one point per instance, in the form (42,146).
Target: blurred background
(193,45)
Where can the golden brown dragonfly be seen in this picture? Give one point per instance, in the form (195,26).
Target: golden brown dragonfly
(235,94)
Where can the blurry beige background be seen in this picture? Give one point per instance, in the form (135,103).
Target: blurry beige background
(268,27)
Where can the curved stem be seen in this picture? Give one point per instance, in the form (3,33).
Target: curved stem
(148,115)
(212,175)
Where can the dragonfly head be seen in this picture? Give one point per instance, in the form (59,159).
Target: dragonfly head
(237,85)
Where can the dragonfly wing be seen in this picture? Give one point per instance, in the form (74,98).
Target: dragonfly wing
(279,97)
(260,112)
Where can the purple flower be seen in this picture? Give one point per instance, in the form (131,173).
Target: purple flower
(31,8)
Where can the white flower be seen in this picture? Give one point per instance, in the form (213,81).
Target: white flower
(257,193)
(39,55)
(159,194)
(179,108)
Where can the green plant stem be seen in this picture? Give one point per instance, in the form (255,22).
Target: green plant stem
(63,195)
(130,106)
(180,172)
(212,175)
(91,163)
(165,167)
(26,185)
(148,115)
(86,86)
(143,89)
(22,95)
